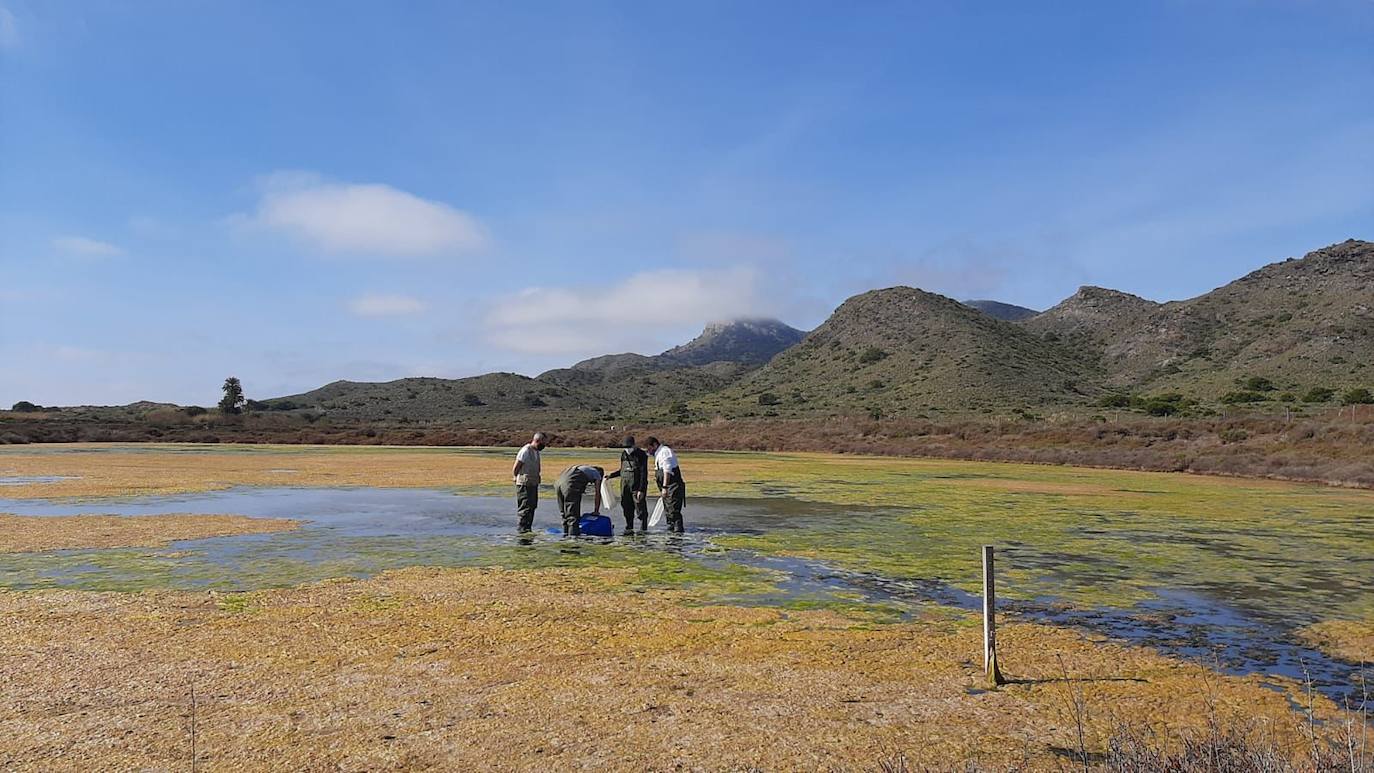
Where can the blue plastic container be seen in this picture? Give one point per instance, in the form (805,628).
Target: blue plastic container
(597,526)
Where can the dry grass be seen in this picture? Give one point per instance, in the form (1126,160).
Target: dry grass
(1327,445)
(174,470)
(1349,640)
(28,534)
(552,669)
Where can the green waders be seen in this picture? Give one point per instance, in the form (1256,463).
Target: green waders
(526,500)
(571,485)
(674,498)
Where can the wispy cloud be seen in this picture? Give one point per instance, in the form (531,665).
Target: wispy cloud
(363,218)
(629,315)
(9,30)
(386,306)
(86,247)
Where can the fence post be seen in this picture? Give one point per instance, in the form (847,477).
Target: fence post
(990,670)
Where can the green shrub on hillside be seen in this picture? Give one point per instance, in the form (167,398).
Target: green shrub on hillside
(1116,400)
(1167,404)
(1238,398)
(1259,384)
(1358,396)
(768,398)
(1318,395)
(871,355)
(24,406)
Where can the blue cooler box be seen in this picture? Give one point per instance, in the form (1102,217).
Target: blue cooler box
(597,526)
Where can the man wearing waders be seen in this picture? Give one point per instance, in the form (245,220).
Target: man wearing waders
(571,485)
(634,483)
(669,477)
(526,474)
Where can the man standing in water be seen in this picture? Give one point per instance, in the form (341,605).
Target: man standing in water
(571,485)
(669,477)
(526,474)
(634,483)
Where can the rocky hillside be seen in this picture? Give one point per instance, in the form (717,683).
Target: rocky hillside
(1009,312)
(609,388)
(744,341)
(1299,324)
(1280,332)
(906,351)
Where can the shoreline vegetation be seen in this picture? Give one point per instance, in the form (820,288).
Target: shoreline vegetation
(1330,448)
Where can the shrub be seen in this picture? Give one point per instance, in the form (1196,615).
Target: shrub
(1237,398)
(1358,396)
(1288,397)
(285,405)
(194,410)
(24,406)
(768,398)
(535,401)
(472,399)
(1229,436)
(257,405)
(1166,404)
(1259,384)
(1116,400)
(1318,395)
(871,355)
(876,383)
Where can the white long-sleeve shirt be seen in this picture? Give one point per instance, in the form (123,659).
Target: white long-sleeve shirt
(665,460)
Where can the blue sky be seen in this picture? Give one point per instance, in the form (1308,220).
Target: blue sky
(295,193)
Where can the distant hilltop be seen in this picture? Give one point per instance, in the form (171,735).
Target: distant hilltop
(1300,328)
(1297,331)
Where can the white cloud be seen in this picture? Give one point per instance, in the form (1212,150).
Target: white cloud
(81,245)
(650,309)
(363,218)
(9,30)
(386,306)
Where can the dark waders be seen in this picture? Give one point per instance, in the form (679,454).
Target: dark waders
(634,477)
(571,485)
(526,500)
(674,498)
(631,508)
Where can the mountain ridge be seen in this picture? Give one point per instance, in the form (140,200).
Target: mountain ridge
(1291,326)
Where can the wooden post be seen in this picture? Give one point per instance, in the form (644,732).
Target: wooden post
(994,675)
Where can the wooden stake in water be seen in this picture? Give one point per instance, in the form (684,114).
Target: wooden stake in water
(994,675)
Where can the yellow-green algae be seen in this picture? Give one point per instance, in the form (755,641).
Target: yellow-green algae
(1095,537)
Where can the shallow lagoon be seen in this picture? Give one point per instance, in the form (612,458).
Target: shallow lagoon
(1204,568)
